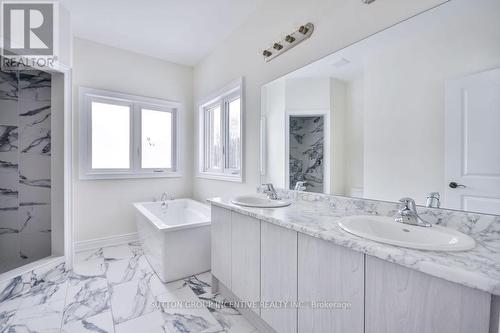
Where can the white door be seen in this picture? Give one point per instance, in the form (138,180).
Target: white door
(472,143)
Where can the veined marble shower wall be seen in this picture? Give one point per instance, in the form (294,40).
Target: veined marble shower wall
(306,152)
(25,159)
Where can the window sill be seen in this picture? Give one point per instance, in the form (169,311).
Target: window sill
(215,176)
(98,176)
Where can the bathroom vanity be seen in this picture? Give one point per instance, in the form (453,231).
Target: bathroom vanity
(404,114)
(334,281)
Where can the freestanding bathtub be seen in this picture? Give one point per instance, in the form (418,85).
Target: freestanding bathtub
(175,237)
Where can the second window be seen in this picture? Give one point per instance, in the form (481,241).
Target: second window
(221,136)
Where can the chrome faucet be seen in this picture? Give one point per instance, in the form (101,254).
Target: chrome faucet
(163,199)
(300,186)
(408,214)
(433,200)
(269,190)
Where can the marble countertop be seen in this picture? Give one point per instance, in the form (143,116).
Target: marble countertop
(478,268)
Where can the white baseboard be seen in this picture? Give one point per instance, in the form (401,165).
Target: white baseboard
(93,244)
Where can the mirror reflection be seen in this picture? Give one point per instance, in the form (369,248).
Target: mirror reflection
(409,111)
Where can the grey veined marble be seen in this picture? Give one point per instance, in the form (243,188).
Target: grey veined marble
(25,158)
(114,289)
(307,152)
(317,215)
(8,138)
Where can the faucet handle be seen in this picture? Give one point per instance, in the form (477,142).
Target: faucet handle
(267,187)
(262,188)
(269,190)
(408,204)
(300,186)
(433,200)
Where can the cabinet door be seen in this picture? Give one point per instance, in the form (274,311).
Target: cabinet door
(221,245)
(330,274)
(399,299)
(279,276)
(245,269)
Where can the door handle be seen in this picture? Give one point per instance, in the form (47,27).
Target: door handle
(456,185)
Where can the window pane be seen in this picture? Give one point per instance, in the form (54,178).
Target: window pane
(234,135)
(156,139)
(110,136)
(213,138)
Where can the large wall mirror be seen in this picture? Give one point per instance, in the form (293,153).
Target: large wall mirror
(413,111)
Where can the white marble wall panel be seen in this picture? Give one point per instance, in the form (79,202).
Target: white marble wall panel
(306,152)
(25,179)
(8,97)
(35,245)
(9,221)
(34,112)
(33,219)
(9,246)
(34,179)
(9,137)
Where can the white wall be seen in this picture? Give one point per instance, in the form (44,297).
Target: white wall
(354,128)
(103,207)
(337,115)
(273,108)
(404,123)
(307,94)
(337,24)
(65,37)
(57,164)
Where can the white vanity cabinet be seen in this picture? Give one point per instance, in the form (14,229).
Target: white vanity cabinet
(256,260)
(399,299)
(221,245)
(329,274)
(245,258)
(279,276)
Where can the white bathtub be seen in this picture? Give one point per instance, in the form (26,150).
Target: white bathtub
(175,239)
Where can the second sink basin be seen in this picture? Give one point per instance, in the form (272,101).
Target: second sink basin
(386,230)
(259,201)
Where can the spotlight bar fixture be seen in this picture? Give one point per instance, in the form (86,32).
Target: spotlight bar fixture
(304,32)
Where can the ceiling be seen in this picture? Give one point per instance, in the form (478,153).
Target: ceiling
(182,31)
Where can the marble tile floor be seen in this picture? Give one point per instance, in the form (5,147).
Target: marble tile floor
(113,289)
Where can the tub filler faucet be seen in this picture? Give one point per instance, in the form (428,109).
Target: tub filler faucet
(163,199)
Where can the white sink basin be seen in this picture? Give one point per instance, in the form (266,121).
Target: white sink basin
(386,230)
(259,201)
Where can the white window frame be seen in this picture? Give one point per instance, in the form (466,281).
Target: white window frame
(223,97)
(136,104)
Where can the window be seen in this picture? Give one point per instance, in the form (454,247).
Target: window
(126,136)
(221,135)
(156,139)
(110,144)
